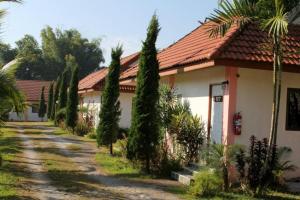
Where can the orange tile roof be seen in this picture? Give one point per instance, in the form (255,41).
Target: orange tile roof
(127,60)
(250,45)
(244,45)
(91,80)
(94,80)
(32,89)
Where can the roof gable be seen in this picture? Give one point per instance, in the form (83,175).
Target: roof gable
(32,89)
(244,44)
(95,79)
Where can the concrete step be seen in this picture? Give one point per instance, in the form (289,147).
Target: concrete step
(186,175)
(182,177)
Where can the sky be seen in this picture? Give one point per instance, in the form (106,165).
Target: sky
(114,21)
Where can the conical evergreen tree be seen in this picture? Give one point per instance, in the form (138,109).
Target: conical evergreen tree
(42,106)
(50,101)
(71,115)
(144,132)
(55,97)
(110,108)
(63,91)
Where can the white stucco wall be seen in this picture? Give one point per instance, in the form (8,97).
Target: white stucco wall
(27,115)
(92,100)
(194,87)
(254,100)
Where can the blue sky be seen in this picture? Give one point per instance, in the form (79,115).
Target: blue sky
(115,21)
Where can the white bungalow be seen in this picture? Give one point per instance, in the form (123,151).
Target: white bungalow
(91,87)
(32,91)
(223,76)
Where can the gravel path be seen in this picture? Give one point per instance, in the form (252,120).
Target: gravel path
(84,158)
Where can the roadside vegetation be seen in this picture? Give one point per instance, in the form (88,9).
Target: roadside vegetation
(9,178)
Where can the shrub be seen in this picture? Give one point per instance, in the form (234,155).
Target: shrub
(207,183)
(122,144)
(60,116)
(82,129)
(164,163)
(91,135)
(122,133)
(190,133)
(257,171)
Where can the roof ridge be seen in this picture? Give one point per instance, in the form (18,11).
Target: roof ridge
(182,37)
(227,40)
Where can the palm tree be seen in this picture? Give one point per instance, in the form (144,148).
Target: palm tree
(270,16)
(10,97)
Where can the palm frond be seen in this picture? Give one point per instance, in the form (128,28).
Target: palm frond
(9,90)
(278,24)
(237,12)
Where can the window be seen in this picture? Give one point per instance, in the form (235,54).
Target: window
(293,110)
(35,108)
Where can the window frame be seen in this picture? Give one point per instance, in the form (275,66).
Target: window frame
(289,91)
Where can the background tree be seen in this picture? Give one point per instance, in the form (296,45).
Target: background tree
(144,132)
(88,54)
(47,61)
(72,104)
(51,53)
(63,90)
(30,54)
(110,108)
(55,97)
(42,106)
(50,101)
(7,54)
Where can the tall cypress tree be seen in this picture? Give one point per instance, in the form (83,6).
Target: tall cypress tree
(50,101)
(144,132)
(71,115)
(42,106)
(55,97)
(110,108)
(63,90)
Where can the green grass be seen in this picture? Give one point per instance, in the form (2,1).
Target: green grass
(8,149)
(118,166)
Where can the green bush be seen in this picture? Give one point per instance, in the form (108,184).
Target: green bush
(91,135)
(190,133)
(60,116)
(82,129)
(122,133)
(207,183)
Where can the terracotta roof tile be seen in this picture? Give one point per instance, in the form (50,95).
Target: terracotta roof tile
(246,45)
(32,89)
(250,45)
(92,80)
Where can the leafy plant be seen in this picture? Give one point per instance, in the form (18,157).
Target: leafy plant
(220,157)
(42,105)
(72,101)
(190,133)
(144,131)
(110,111)
(82,129)
(206,183)
(60,116)
(251,166)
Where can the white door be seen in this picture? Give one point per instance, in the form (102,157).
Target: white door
(216,130)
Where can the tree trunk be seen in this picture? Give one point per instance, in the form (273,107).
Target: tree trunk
(277,71)
(111,149)
(225,169)
(148,163)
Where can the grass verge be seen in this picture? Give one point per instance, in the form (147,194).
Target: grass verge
(9,180)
